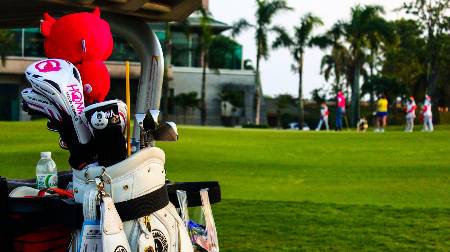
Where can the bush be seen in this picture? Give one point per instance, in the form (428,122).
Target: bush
(254,126)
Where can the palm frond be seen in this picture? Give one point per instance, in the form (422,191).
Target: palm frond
(240,26)
(282,38)
(267,10)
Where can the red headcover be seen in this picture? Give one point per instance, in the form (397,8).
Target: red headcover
(81,38)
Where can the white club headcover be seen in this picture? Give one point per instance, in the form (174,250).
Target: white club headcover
(38,102)
(113,234)
(24,191)
(60,82)
(111,110)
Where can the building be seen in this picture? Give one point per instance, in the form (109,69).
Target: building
(186,73)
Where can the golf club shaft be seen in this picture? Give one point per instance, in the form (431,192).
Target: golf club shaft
(127,93)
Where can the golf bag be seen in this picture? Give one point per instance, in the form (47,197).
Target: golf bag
(115,202)
(138,189)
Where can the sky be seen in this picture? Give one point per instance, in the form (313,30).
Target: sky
(276,75)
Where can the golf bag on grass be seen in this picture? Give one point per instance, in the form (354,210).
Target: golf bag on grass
(114,203)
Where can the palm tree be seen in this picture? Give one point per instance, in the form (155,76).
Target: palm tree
(266,11)
(383,35)
(297,45)
(336,62)
(365,21)
(206,38)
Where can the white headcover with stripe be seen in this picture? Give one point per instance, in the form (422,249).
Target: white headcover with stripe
(60,82)
(38,102)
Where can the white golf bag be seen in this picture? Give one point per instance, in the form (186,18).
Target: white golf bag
(125,201)
(137,188)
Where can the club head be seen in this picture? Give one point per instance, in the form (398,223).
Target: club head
(52,126)
(139,119)
(151,119)
(166,131)
(63,145)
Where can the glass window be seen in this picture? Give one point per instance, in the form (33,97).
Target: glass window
(34,43)
(195,51)
(180,49)
(122,50)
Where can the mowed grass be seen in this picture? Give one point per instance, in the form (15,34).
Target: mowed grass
(293,191)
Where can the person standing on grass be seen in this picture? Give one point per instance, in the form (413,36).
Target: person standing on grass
(340,101)
(410,114)
(382,111)
(427,115)
(323,116)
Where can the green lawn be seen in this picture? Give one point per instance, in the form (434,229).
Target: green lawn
(291,191)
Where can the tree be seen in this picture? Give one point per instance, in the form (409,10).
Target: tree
(222,53)
(391,87)
(265,12)
(365,22)
(7,44)
(319,95)
(233,94)
(382,36)
(206,38)
(187,101)
(404,60)
(283,101)
(297,45)
(336,62)
(432,15)
(248,65)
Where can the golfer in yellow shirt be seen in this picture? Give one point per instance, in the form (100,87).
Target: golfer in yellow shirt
(382,112)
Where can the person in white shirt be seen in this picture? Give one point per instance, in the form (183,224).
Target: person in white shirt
(410,114)
(427,115)
(323,116)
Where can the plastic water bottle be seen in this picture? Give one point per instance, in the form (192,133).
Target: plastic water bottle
(46,173)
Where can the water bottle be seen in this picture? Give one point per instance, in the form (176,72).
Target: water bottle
(46,173)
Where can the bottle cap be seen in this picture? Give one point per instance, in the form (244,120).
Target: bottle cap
(46,154)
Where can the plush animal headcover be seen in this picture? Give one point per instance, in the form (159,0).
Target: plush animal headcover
(85,40)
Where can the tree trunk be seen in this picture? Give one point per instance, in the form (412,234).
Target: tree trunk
(338,80)
(167,62)
(203,91)
(258,89)
(372,96)
(301,112)
(355,109)
(432,85)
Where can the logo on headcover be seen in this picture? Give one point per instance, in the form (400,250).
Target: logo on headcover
(120,249)
(161,243)
(77,98)
(48,66)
